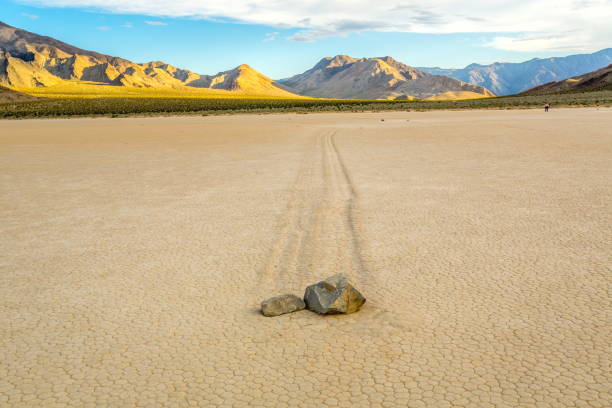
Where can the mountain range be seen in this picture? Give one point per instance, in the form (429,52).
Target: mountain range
(593,81)
(377,78)
(29,61)
(506,78)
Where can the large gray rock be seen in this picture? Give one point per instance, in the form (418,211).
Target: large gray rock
(282,304)
(333,295)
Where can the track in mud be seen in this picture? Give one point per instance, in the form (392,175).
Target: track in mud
(317,232)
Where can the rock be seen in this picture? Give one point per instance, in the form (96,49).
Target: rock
(282,304)
(333,295)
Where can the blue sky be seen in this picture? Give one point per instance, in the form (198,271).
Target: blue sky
(280,44)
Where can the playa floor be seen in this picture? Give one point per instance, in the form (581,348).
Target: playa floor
(135,252)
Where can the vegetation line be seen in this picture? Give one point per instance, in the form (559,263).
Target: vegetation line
(117,107)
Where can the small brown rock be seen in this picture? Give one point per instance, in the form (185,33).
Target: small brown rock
(282,304)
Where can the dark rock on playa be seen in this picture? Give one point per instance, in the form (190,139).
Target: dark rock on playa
(333,295)
(282,304)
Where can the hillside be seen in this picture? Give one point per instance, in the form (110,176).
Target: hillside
(593,81)
(505,78)
(242,79)
(28,60)
(9,95)
(343,76)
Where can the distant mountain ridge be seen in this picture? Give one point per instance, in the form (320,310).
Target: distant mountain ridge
(593,81)
(343,76)
(506,78)
(28,60)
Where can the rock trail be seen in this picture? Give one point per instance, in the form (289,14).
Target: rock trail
(317,233)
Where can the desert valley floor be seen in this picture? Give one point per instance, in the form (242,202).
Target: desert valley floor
(135,253)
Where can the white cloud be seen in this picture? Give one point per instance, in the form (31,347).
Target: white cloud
(104,28)
(531,25)
(270,36)
(127,25)
(156,23)
(589,37)
(30,16)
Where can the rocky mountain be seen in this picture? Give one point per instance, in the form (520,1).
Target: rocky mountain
(29,60)
(593,81)
(377,78)
(505,78)
(242,78)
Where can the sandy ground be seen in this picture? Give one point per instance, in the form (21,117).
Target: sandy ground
(135,252)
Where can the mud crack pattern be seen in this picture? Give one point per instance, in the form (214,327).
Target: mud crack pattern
(134,254)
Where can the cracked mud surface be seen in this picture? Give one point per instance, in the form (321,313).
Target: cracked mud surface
(135,253)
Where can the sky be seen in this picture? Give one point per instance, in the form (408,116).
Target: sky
(284,37)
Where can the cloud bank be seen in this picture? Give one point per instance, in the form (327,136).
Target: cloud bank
(530,25)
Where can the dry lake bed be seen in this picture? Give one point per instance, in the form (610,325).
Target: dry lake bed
(134,254)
